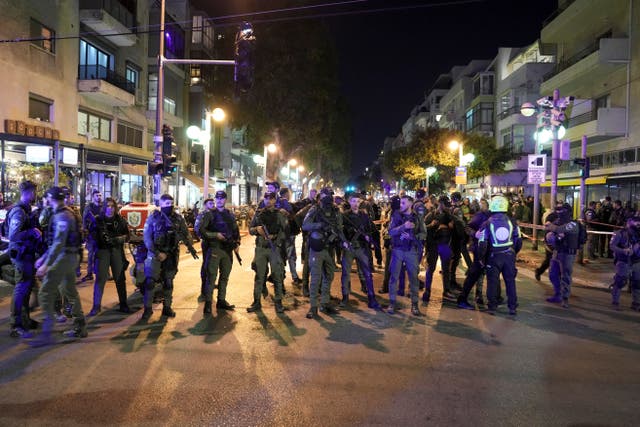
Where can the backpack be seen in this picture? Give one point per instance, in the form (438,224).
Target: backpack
(582,234)
(4,228)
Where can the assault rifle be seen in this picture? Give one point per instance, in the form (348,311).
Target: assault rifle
(360,232)
(336,232)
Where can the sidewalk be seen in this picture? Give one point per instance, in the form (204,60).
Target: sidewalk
(596,273)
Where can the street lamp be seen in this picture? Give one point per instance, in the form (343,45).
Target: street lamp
(268,148)
(203,137)
(291,162)
(463,159)
(429,171)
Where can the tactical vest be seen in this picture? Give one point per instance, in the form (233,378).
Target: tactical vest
(354,226)
(165,235)
(569,243)
(74,237)
(500,231)
(222,222)
(396,241)
(626,240)
(268,218)
(320,239)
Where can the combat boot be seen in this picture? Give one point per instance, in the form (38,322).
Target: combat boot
(328,309)
(256,306)
(19,332)
(615,295)
(392,307)
(313,312)
(305,289)
(426,296)
(94,310)
(168,312)
(224,305)
(415,310)
(207,307)
(345,301)
(373,303)
(146,315)
(124,308)
(79,330)
(279,307)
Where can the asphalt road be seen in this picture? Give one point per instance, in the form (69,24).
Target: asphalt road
(548,366)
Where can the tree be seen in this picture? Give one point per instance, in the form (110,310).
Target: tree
(430,148)
(296,96)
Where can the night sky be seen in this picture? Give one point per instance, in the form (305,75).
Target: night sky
(390,58)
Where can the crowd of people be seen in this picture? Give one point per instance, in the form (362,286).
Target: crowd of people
(47,243)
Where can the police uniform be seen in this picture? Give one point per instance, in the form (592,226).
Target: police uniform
(439,226)
(218,256)
(268,253)
(625,245)
(24,241)
(304,250)
(323,222)
(564,232)
(61,260)
(476,271)
(358,230)
(499,241)
(203,244)
(590,216)
(407,252)
(88,219)
(109,235)
(163,231)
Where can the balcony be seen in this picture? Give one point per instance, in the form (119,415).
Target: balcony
(109,18)
(606,124)
(595,62)
(105,86)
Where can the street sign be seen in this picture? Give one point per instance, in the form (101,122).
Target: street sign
(537,169)
(461,175)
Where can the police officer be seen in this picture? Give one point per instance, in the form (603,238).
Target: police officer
(394,205)
(459,239)
(625,245)
(358,229)
(304,208)
(92,210)
(57,268)
(498,243)
(591,217)
(220,230)
(268,225)
(563,237)
(109,231)
(407,232)
(24,239)
(207,205)
(476,271)
(163,232)
(324,224)
(439,225)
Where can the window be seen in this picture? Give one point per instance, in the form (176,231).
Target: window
(169,106)
(94,63)
(130,136)
(44,37)
(173,39)
(627,156)
(132,74)
(40,108)
(95,126)
(602,102)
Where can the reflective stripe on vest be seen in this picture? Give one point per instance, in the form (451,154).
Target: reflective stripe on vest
(494,241)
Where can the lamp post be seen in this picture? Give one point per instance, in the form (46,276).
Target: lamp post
(463,159)
(291,162)
(428,171)
(299,169)
(204,138)
(268,148)
(528,109)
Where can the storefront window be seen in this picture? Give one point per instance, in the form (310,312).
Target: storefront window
(97,127)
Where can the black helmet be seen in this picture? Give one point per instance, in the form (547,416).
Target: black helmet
(56,193)
(564,212)
(420,194)
(327,191)
(395,203)
(456,197)
(444,200)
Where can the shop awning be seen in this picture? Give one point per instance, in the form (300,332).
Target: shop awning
(576,181)
(197,181)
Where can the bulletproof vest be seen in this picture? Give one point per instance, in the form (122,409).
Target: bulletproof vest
(222,222)
(107,229)
(627,240)
(396,241)
(354,225)
(269,218)
(164,231)
(501,231)
(570,240)
(26,225)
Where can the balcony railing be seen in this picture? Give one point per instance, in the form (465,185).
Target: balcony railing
(563,64)
(509,112)
(583,118)
(99,72)
(113,8)
(557,12)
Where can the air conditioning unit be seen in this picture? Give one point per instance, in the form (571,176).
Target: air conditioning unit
(140,98)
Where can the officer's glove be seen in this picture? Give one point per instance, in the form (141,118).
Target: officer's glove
(193,253)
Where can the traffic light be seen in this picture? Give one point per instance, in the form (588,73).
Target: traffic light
(169,149)
(155,168)
(585,166)
(245,46)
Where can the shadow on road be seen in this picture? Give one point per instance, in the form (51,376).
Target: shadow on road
(129,338)
(214,327)
(460,330)
(345,331)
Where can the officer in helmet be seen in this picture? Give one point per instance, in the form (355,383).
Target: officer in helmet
(625,245)
(268,225)
(324,224)
(57,269)
(394,205)
(565,236)
(439,226)
(498,243)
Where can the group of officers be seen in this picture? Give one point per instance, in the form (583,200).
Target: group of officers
(47,244)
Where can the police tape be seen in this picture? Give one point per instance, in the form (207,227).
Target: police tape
(542,228)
